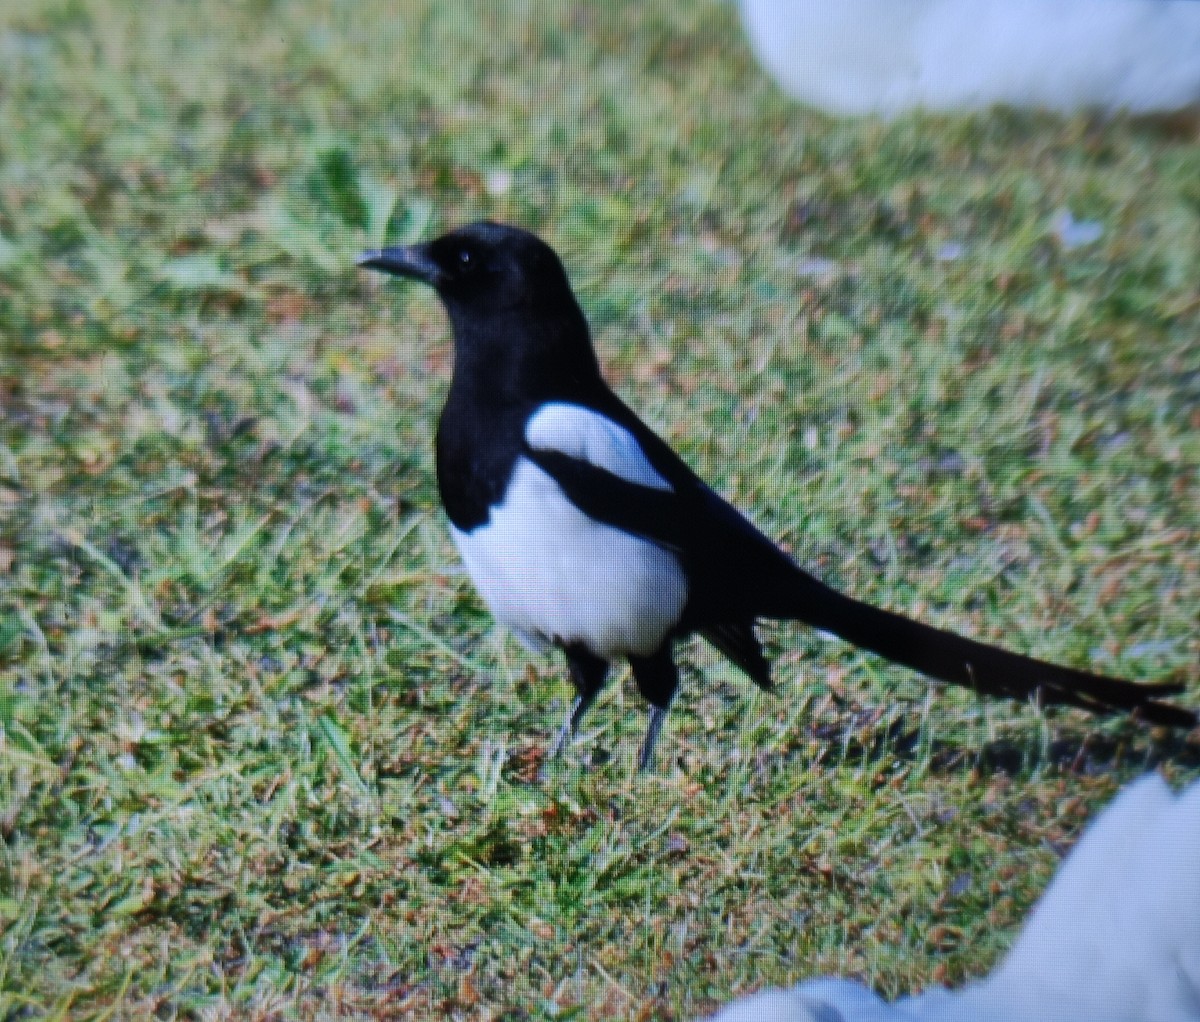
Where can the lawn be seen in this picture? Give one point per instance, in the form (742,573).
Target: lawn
(262,753)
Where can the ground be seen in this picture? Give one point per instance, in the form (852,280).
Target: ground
(262,754)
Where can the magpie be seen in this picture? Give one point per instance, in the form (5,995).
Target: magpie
(582,529)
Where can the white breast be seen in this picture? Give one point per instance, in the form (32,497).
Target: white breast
(552,574)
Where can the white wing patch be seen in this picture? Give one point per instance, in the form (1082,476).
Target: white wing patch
(581,433)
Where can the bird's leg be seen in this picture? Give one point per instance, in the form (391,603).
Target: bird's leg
(588,673)
(579,707)
(657,715)
(657,679)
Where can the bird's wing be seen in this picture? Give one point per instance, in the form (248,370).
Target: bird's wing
(604,472)
(587,435)
(618,471)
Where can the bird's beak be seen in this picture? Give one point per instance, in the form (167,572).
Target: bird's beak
(412,261)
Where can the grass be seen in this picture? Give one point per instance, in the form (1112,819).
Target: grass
(262,754)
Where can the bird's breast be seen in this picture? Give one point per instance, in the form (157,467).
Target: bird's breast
(552,574)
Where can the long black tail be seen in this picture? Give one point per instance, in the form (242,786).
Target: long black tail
(987,669)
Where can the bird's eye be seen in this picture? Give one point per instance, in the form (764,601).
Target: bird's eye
(465,259)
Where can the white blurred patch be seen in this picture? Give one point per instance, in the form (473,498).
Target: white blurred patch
(1115,938)
(887,56)
(1072,233)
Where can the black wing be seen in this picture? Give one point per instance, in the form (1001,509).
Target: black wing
(645,511)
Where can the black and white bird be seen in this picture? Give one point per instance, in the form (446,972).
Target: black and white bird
(583,530)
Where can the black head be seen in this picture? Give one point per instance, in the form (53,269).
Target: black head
(484,267)
(510,304)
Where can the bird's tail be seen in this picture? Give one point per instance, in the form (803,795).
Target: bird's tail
(988,669)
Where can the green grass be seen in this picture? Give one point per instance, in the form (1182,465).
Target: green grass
(262,754)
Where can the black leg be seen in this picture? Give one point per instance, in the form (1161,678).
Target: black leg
(588,673)
(657,679)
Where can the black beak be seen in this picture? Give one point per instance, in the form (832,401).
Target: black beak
(412,261)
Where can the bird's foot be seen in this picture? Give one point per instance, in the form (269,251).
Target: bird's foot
(565,734)
(571,725)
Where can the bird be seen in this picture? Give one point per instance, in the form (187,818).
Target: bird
(584,531)
(880,57)
(1114,938)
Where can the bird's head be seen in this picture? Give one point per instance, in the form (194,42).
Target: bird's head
(511,306)
(483,269)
